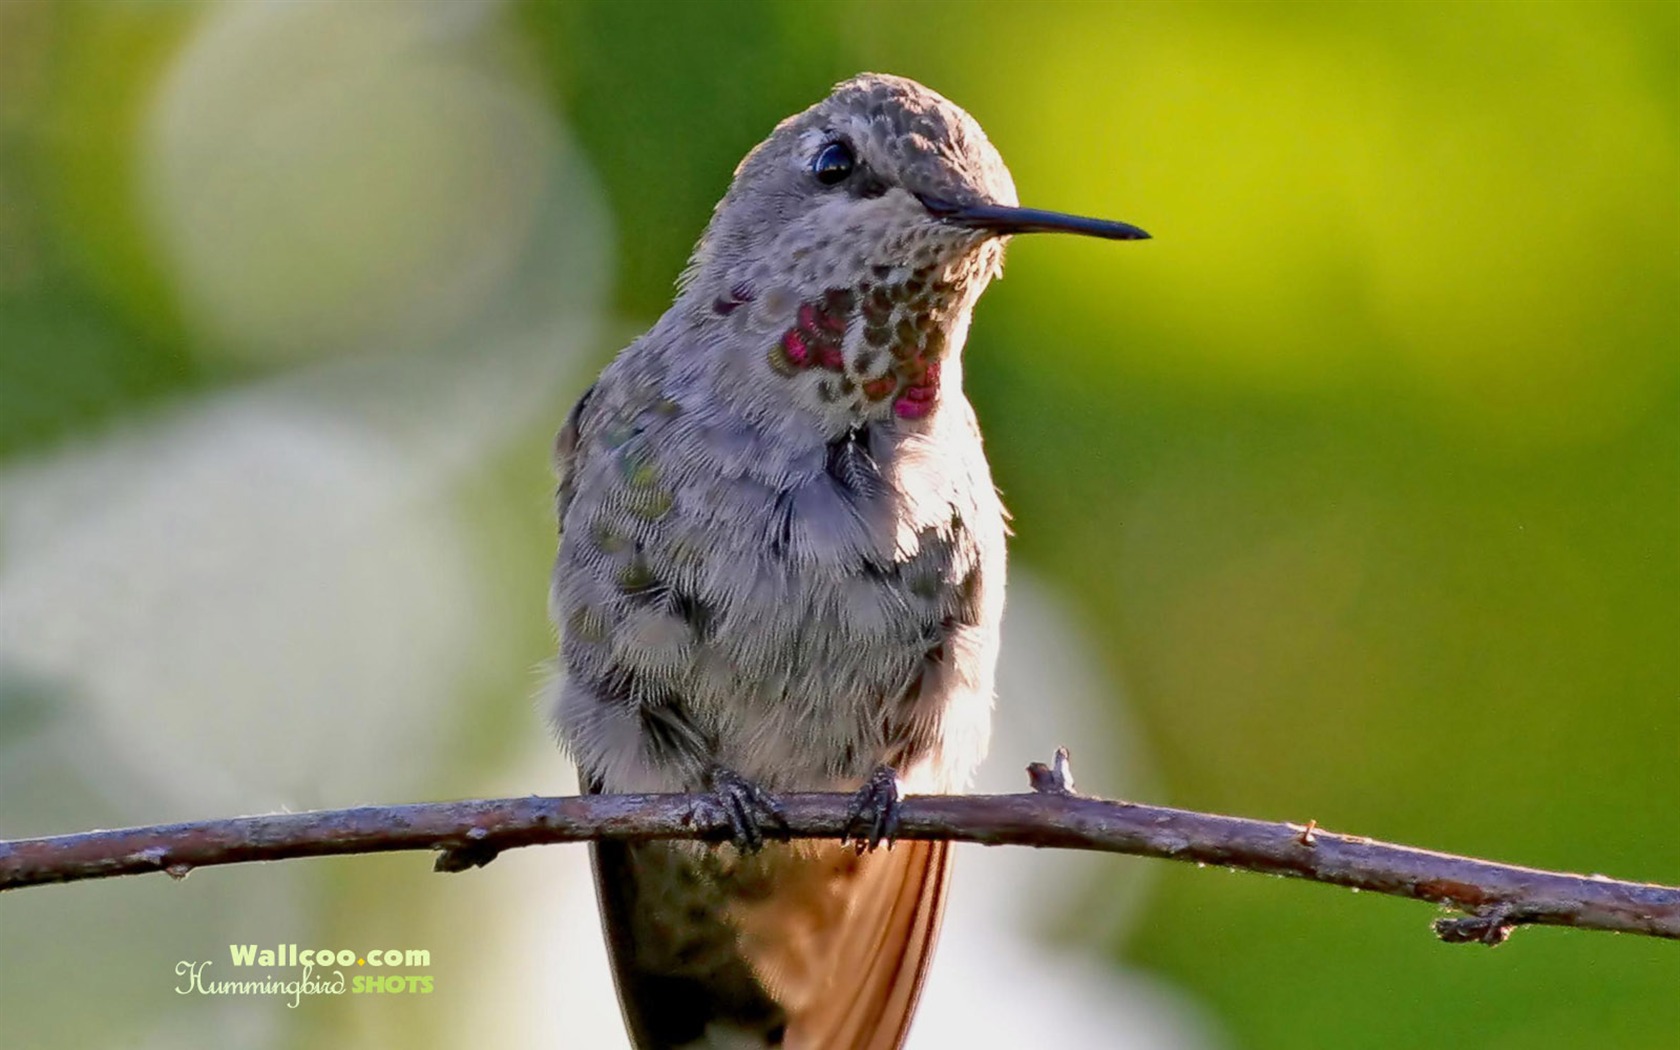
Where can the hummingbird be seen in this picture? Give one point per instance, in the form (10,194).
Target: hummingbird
(781,568)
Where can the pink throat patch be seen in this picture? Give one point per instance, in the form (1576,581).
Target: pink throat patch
(814,340)
(899,345)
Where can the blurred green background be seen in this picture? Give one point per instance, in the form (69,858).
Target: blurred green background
(1360,484)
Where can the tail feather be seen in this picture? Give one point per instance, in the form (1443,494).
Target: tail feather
(881,954)
(806,946)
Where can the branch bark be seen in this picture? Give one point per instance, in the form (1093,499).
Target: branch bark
(1497,897)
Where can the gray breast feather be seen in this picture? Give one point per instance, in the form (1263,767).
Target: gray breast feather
(791,611)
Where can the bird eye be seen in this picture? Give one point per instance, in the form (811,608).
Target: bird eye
(833,163)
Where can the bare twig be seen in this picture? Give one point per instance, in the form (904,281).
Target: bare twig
(1498,897)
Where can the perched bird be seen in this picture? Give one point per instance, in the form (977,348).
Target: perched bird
(781,568)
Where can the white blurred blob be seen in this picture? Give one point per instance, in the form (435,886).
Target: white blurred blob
(241,602)
(327,177)
(996,980)
(236,597)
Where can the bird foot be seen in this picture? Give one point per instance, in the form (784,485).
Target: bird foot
(751,812)
(874,813)
(1490,926)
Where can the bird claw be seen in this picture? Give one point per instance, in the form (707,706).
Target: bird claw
(750,811)
(874,814)
(1491,926)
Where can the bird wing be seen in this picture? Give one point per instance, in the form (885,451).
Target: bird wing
(679,974)
(565,457)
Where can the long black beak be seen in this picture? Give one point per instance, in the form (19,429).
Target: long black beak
(1003,220)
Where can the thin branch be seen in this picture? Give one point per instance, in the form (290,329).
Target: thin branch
(1498,897)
